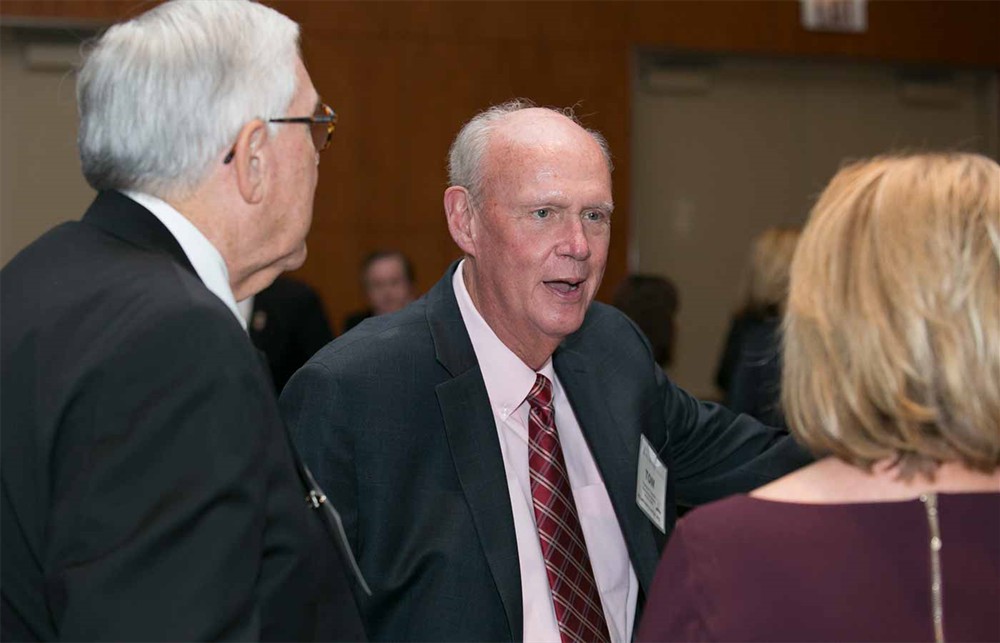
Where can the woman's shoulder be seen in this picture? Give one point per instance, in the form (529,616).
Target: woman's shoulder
(739,521)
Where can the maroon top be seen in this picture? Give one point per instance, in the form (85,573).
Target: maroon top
(745,569)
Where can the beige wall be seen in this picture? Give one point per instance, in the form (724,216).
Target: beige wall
(725,149)
(40,181)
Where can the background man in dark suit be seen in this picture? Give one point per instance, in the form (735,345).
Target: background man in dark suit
(287,323)
(507,455)
(149,487)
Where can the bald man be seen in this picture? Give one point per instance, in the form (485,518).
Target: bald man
(506,454)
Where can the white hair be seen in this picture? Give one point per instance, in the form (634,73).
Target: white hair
(465,158)
(163,95)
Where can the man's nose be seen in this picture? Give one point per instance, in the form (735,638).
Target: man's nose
(573,241)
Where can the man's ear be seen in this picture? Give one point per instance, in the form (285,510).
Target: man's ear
(250,161)
(458,209)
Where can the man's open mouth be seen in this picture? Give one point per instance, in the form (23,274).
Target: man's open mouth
(564,285)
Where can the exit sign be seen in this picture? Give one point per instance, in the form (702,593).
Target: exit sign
(838,16)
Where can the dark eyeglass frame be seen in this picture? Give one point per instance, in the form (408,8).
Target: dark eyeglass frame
(328,118)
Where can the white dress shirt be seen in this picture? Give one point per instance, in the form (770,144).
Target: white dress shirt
(508,381)
(205,258)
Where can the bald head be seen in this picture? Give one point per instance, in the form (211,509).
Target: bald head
(524,147)
(537,125)
(515,118)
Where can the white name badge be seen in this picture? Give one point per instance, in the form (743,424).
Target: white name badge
(651,487)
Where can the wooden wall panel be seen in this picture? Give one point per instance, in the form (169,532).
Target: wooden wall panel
(405,75)
(401,102)
(938,31)
(62,11)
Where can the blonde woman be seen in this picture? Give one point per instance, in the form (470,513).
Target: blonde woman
(892,376)
(749,370)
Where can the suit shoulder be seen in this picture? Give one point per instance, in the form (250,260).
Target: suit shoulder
(89,291)
(606,325)
(397,338)
(75,256)
(600,313)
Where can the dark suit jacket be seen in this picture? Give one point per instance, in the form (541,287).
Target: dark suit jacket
(288,325)
(149,490)
(750,369)
(395,420)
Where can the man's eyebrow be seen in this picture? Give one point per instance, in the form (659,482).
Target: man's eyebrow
(559,200)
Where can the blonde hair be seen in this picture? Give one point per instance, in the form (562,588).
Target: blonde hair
(767,280)
(892,331)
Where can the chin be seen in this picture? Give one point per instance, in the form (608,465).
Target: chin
(295,260)
(563,325)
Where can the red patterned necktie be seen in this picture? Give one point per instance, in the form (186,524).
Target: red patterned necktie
(567,564)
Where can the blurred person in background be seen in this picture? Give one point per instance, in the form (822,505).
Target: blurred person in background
(287,323)
(387,277)
(150,491)
(749,371)
(891,364)
(652,303)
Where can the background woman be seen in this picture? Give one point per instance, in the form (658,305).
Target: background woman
(749,371)
(891,371)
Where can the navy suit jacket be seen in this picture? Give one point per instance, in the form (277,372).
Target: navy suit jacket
(395,421)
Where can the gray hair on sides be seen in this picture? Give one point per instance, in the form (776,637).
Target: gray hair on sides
(161,96)
(465,158)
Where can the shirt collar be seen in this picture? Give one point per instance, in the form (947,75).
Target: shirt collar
(508,380)
(204,257)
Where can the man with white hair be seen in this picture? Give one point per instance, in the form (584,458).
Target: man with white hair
(150,490)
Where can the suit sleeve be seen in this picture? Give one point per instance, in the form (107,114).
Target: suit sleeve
(157,522)
(312,405)
(716,453)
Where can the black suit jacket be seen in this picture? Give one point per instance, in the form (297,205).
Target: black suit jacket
(288,325)
(750,368)
(395,421)
(149,490)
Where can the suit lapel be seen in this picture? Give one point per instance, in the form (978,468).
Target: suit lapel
(616,452)
(475,448)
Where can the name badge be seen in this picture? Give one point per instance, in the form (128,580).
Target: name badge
(651,487)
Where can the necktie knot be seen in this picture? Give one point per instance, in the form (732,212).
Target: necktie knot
(540,395)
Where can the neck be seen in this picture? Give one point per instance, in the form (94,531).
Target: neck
(830,481)
(533,352)
(216,218)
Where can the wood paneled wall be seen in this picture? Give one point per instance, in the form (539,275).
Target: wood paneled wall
(404,76)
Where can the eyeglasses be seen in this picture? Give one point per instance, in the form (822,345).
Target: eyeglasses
(321,125)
